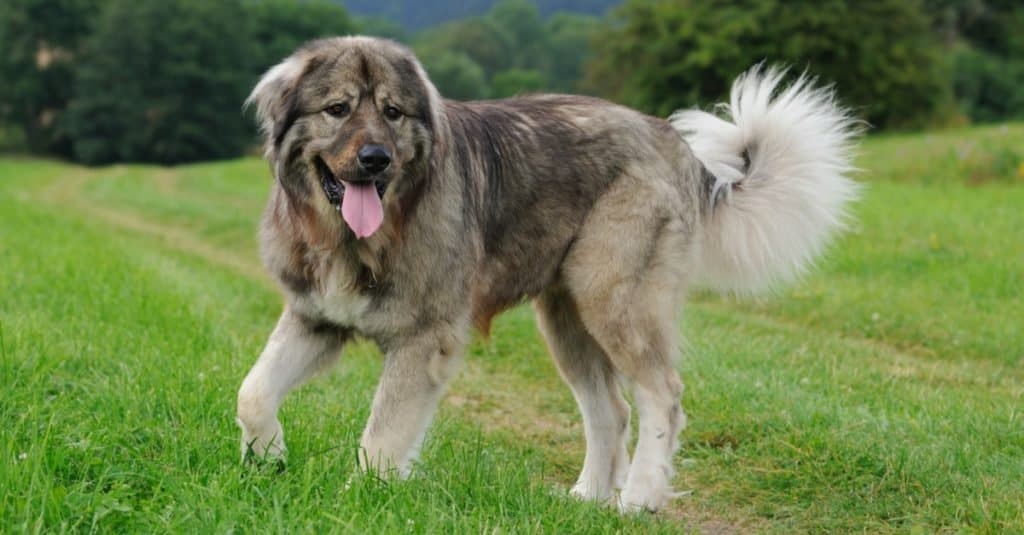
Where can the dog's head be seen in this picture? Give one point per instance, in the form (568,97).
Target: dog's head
(350,126)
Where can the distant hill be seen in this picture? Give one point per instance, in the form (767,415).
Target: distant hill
(418,14)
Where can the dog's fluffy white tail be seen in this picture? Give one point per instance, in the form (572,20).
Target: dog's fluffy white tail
(778,168)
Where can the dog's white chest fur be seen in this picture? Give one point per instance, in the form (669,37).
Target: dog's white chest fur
(338,302)
(343,308)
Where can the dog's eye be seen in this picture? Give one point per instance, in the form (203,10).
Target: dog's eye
(392,113)
(338,110)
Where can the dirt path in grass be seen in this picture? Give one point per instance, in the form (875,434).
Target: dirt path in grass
(69,193)
(898,362)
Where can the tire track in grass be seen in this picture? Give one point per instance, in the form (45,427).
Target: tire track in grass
(69,193)
(968,373)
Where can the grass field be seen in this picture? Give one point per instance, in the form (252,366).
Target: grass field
(881,394)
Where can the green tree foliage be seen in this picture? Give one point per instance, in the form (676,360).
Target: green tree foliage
(988,87)
(278,27)
(161,82)
(987,41)
(569,37)
(39,44)
(385,28)
(421,14)
(112,80)
(482,40)
(513,46)
(663,55)
(164,81)
(458,76)
(525,27)
(516,82)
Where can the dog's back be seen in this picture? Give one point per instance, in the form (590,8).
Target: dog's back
(537,165)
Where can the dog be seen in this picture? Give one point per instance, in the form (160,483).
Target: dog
(408,219)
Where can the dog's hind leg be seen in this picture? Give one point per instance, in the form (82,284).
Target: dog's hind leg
(586,369)
(638,334)
(415,375)
(296,350)
(626,272)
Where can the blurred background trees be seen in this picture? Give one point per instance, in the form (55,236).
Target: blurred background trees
(39,40)
(881,55)
(116,80)
(138,73)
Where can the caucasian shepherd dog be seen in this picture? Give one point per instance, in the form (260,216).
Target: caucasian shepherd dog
(406,219)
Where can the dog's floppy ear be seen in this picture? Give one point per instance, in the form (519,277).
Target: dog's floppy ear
(435,108)
(275,98)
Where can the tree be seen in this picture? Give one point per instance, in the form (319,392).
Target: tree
(525,27)
(667,54)
(516,49)
(457,76)
(486,43)
(987,51)
(517,82)
(162,82)
(278,27)
(40,42)
(569,37)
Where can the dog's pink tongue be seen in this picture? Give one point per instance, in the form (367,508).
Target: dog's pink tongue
(361,209)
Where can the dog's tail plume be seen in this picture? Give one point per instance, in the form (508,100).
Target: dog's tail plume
(777,178)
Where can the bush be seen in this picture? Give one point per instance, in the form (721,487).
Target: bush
(667,54)
(988,56)
(988,88)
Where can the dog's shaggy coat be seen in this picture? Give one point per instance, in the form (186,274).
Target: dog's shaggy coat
(601,215)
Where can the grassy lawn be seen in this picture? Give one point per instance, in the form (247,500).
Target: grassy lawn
(882,394)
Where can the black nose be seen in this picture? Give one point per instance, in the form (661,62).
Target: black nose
(374,158)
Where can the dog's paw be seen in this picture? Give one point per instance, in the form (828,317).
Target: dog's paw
(263,448)
(646,492)
(583,491)
(267,463)
(588,491)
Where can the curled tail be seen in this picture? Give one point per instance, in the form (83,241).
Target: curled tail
(777,161)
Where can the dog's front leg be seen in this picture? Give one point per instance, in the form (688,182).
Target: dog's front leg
(296,350)
(415,374)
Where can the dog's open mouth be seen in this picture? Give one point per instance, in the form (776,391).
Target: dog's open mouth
(334,187)
(358,202)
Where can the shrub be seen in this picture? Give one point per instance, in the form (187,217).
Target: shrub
(987,87)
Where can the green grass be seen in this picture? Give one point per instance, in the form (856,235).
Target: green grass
(882,394)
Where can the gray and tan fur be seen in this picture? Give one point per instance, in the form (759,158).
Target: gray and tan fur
(600,215)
